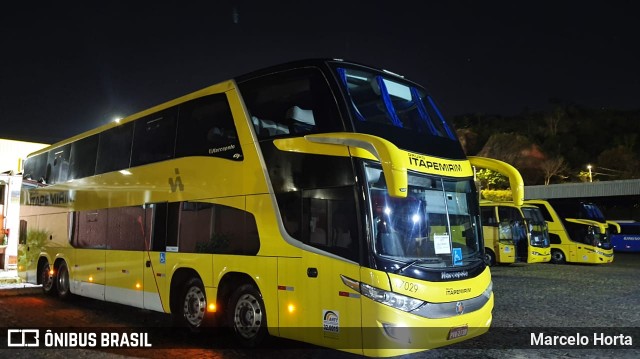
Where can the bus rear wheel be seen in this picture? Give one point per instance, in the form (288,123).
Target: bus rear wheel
(557,257)
(47,279)
(247,316)
(62,281)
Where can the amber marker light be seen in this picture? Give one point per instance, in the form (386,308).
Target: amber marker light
(212,307)
(291,308)
(51,271)
(90,278)
(137,285)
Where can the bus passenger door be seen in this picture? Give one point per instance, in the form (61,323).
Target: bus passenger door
(161,222)
(336,308)
(314,303)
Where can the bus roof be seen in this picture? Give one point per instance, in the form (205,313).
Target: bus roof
(215,88)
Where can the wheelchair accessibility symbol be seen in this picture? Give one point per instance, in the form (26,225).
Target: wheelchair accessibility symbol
(163,257)
(457,256)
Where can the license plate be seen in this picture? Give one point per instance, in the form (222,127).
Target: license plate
(458,332)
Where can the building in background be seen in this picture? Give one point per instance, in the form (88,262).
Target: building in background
(11,155)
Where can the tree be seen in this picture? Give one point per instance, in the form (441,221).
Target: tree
(552,167)
(620,162)
(491,180)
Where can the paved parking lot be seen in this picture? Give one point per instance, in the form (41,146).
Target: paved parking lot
(530,299)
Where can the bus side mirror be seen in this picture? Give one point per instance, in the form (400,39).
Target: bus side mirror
(390,157)
(394,164)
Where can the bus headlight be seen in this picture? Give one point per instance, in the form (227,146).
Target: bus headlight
(391,299)
(487,292)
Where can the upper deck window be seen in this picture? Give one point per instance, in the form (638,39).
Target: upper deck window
(206,128)
(291,103)
(379,99)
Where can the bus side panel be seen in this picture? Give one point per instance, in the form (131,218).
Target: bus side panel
(155,296)
(315,305)
(124,277)
(27,254)
(88,277)
(51,226)
(262,271)
(504,253)
(626,242)
(124,259)
(90,239)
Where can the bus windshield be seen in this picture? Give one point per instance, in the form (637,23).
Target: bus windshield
(537,226)
(435,226)
(593,212)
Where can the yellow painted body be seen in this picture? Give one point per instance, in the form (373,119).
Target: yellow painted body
(575,252)
(504,250)
(296,304)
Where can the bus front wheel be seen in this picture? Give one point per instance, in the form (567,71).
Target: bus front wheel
(557,257)
(246,315)
(489,257)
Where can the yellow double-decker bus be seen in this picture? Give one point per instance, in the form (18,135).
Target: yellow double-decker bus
(578,231)
(321,200)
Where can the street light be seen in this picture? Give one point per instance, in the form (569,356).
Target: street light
(590,177)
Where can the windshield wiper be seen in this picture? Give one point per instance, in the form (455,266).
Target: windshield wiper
(415,261)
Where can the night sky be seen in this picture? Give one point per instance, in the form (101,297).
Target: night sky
(68,68)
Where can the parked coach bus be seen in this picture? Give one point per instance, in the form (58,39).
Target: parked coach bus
(578,231)
(322,201)
(627,239)
(514,233)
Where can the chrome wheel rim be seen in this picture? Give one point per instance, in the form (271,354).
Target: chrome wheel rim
(248,316)
(195,304)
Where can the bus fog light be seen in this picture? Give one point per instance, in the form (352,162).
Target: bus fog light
(400,334)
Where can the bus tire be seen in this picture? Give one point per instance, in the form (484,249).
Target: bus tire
(47,279)
(192,307)
(247,316)
(557,257)
(62,281)
(489,257)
